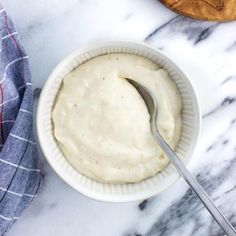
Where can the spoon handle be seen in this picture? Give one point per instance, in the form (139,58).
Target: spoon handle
(197,188)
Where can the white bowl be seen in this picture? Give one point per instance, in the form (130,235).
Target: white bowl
(117,192)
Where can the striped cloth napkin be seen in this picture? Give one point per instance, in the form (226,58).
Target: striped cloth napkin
(19,172)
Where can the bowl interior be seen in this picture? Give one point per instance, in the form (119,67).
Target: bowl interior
(117,192)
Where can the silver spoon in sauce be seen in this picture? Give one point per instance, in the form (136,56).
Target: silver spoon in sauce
(179,165)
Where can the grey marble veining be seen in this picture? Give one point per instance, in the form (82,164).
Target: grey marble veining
(206,51)
(196,31)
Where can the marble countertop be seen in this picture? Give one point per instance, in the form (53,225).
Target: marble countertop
(206,51)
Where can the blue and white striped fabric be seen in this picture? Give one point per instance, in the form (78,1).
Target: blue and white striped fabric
(19,172)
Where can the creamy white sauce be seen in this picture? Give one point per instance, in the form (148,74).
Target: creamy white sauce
(101,123)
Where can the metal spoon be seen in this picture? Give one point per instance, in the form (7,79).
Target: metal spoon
(179,165)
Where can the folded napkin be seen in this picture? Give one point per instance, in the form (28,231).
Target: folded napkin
(19,171)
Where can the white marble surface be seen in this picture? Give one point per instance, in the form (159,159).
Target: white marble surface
(52,29)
